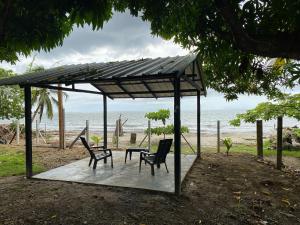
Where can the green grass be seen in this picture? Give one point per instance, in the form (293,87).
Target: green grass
(251,149)
(12,162)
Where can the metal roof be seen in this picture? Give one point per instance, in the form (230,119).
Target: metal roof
(144,78)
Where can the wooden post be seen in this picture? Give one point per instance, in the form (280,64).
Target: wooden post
(218,136)
(18,132)
(259,138)
(177,136)
(28,131)
(105,121)
(87,131)
(149,135)
(279,142)
(60,118)
(37,131)
(198,125)
(45,130)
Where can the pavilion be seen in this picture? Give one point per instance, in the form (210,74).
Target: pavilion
(145,78)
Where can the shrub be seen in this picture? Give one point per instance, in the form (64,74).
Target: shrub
(96,139)
(228,143)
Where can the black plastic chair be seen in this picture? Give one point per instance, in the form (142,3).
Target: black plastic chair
(157,158)
(104,153)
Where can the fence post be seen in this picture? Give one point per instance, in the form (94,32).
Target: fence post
(218,136)
(45,130)
(18,132)
(259,139)
(279,142)
(87,132)
(149,135)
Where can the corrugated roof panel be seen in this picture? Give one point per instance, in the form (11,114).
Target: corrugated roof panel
(145,75)
(161,86)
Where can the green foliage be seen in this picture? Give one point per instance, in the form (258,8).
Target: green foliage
(228,143)
(288,105)
(235,39)
(296,134)
(42,25)
(11,98)
(162,114)
(230,60)
(44,99)
(96,139)
(13,126)
(169,129)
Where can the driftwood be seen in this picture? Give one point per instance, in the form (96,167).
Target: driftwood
(191,147)
(143,140)
(76,139)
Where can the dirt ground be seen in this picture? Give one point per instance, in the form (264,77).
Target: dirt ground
(218,190)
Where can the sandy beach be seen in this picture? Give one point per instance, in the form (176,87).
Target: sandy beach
(207,140)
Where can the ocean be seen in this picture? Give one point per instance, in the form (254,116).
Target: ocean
(136,121)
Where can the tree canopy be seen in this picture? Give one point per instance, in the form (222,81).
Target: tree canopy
(11,99)
(289,106)
(235,38)
(27,25)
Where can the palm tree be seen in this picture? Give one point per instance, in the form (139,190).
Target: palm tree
(44,99)
(41,97)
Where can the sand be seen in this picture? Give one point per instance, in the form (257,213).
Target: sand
(207,140)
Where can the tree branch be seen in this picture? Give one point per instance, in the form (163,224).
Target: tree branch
(285,45)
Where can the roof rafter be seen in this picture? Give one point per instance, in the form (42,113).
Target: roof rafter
(149,89)
(64,89)
(124,89)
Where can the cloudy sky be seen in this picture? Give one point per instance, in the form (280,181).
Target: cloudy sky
(124,37)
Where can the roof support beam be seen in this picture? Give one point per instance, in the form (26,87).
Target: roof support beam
(66,89)
(128,78)
(191,82)
(149,89)
(124,89)
(103,92)
(146,92)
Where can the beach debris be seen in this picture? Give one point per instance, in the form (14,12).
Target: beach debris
(289,215)
(286,201)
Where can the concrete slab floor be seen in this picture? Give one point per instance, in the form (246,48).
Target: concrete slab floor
(122,175)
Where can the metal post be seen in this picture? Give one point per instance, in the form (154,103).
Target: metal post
(259,138)
(198,125)
(105,121)
(218,136)
(87,132)
(118,132)
(149,135)
(177,136)
(28,131)
(279,142)
(37,131)
(18,132)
